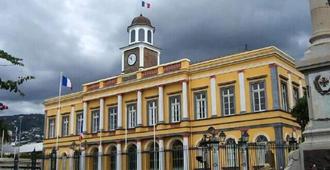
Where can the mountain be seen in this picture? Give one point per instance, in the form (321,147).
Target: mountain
(32,127)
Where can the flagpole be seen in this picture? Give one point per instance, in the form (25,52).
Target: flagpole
(59,110)
(154,138)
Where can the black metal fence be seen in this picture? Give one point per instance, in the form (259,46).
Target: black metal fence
(251,156)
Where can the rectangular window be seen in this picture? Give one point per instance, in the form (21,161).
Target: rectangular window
(51,127)
(201,104)
(79,124)
(65,125)
(284,90)
(112,118)
(258,95)
(228,100)
(295,95)
(95,121)
(175,108)
(152,112)
(131,115)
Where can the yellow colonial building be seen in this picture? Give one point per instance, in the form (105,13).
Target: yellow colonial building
(117,122)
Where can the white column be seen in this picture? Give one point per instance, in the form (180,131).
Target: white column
(290,93)
(139,108)
(118,160)
(101,114)
(119,111)
(72,120)
(158,58)
(161,155)
(139,155)
(99,160)
(213,96)
(242,91)
(185,153)
(71,159)
(85,117)
(141,61)
(82,160)
(122,61)
(301,90)
(160,104)
(185,100)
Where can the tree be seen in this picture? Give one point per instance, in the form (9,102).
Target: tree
(300,112)
(13,85)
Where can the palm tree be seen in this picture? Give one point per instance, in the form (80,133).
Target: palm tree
(300,112)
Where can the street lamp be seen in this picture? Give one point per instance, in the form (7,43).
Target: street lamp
(244,142)
(245,136)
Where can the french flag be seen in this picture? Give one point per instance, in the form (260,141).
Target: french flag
(66,82)
(145,4)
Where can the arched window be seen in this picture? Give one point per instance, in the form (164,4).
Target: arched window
(141,34)
(231,152)
(132,157)
(203,157)
(154,156)
(95,159)
(177,155)
(133,36)
(113,158)
(149,36)
(261,148)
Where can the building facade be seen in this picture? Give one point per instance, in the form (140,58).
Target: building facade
(115,122)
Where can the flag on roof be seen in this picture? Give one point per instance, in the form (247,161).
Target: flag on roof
(145,4)
(66,82)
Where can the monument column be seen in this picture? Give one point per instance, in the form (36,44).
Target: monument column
(314,153)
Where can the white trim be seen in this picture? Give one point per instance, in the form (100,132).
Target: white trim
(290,93)
(141,56)
(139,155)
(119,110)
(85,107)
(139,107)
(185,153)
(160,103)
(242,91)
(213,96)
(118,160)
(184,100)
(72,120)
(101,114)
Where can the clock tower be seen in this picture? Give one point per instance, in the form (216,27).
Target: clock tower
(140,52)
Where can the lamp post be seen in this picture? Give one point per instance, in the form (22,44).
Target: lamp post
(211,140)
(292,142)
(244,142)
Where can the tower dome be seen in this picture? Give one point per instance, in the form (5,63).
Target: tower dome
(141,30)
(141,20)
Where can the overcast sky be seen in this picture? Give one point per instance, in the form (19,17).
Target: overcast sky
(82,37)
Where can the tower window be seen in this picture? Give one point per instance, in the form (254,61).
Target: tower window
(132,35)
(141,34)
(149,36)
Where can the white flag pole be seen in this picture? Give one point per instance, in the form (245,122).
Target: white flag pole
(58,120)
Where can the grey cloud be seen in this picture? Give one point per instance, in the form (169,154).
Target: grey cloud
(81,38)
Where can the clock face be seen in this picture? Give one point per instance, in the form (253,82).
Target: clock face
(131,59)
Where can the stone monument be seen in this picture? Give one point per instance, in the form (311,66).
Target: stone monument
(314,153)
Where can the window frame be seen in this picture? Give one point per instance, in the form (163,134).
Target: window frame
(227,88)
(141,35)
(51,131)
(284,95)
(156,106)
(80,129)
(129,124)
(200,116)
(133,34)
(251,83)
(113,118)
(97,126)
(178,108)
(149,36)
(65,132)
